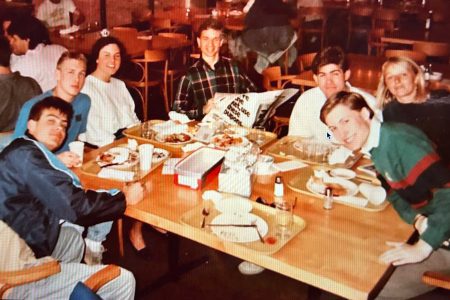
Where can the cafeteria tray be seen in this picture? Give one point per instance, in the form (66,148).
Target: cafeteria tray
(284,149)
(298,184)
(92,168)
(272,243)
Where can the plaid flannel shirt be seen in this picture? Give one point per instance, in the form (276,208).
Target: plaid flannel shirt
(201,82)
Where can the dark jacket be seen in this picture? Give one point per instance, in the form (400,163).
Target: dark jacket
(37,192)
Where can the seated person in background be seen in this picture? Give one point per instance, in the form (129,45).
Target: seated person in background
(112,107)
(404,97)
(331,72)
(15,89)
(70,75)
(419,183)
(38,197)
(32,55)
(210,74)
(57,13)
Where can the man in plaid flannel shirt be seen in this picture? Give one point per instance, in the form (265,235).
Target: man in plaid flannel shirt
(210,74)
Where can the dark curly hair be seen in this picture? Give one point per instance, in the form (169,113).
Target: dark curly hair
(98,46)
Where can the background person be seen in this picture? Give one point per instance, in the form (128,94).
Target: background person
(419,183)
(58,13)
(403,94)
(33,56)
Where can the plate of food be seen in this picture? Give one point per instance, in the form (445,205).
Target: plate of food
(339,186)
(239,227)
(118,158)
(174,138)
(159,155)
(225,141)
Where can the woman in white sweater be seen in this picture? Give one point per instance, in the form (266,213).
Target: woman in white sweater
(112,108)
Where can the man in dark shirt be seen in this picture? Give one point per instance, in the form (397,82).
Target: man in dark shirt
(210,74)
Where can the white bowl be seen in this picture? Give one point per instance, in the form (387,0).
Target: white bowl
(436,76)
(375,194)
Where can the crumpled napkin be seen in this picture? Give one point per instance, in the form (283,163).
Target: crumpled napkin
(116,174)
(192,147)
(169,127)
(339,156)
(182,118)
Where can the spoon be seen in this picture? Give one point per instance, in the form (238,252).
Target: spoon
(254,225)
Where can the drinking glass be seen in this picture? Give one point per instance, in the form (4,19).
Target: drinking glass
(284,219)
(259,134)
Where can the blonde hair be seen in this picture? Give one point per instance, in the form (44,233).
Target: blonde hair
(384,96)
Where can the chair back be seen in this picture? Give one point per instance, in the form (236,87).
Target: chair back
(304,61)
(271,74)
(386,18)
(418,57)
(374,41)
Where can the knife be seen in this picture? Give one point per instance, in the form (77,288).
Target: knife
(231,225)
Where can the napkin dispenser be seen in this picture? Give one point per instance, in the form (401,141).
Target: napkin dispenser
(198,168)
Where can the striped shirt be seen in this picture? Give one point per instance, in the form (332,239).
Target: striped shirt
(201,82)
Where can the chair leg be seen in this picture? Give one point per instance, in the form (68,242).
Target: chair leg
(120,236)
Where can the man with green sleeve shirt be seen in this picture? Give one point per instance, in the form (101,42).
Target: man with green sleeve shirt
(419,186)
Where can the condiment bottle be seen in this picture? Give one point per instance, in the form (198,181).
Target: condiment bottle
(278,190)
(328,201)
(429,20)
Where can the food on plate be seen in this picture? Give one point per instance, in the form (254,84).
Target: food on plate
(106,157)
(226,140)
(177,138)
(336,189)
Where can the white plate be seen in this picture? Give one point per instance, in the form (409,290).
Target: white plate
(234,205)
(343,173)
(159,155)
(225,141)
(123,157)
(239,234)
(163,138)
(319,188)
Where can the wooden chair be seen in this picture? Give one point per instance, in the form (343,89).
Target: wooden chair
(359,21)
(10,279)
(149,77)
(318,14)
(124,34)
(386,18)
(158,25)
(177,67)
(437,279)
(304,61)
(273,80)
(418,57)
(374,41)
(434,50)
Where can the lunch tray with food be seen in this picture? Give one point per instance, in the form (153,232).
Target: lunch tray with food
(294,148)
(272,242)
(171,142)
(345,191)
(121,163)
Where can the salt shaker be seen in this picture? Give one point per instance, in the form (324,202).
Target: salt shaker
(328,201)
(278,190)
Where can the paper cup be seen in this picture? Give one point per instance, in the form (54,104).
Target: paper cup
(77,147)
(145,156)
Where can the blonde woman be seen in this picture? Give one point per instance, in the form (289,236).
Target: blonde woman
(404,97)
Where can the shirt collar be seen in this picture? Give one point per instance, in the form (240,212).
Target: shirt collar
(373,139)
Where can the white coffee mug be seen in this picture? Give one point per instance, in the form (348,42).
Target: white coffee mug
(375,194)
(145,156)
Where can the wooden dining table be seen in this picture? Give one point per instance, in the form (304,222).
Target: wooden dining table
(337,251)
(366,72)
(135,46)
